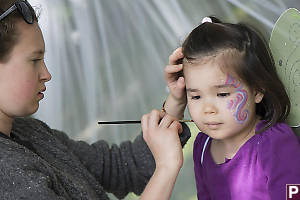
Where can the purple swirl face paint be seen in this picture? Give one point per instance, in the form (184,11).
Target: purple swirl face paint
(238,103)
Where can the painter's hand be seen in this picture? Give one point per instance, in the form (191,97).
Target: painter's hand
(160,132)
(174,76)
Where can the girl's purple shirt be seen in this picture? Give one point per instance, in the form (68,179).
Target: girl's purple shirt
(260,169)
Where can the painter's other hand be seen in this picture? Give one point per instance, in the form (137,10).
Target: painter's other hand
(174,76)
(161,133)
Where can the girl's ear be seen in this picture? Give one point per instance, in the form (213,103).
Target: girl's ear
(258,97)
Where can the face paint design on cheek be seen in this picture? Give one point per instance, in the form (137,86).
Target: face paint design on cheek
(237,104)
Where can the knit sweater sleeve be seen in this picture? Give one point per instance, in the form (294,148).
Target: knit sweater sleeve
(119,169)
(23,176)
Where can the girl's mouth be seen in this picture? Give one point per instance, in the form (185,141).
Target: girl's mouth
(213,125)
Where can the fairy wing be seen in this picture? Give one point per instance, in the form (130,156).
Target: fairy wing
(285,46)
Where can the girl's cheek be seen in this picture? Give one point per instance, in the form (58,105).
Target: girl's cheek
(194,110)
(237,106)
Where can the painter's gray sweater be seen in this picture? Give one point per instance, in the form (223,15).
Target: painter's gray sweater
(51,166)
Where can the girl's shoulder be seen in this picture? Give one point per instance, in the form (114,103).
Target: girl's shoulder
(279,132)
(279,153)
(280,143)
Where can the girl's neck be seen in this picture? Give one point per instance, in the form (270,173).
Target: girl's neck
(5,124)
(222,149)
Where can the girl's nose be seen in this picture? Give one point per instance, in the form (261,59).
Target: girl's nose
(209,108)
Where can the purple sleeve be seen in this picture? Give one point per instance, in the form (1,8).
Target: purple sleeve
(202,192)
(279,154)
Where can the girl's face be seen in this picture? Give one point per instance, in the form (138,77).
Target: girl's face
(23,76)
(219,103)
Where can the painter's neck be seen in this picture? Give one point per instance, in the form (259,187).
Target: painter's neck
(5,124)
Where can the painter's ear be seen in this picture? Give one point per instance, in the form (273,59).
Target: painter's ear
(258,97)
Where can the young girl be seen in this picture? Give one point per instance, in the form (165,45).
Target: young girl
(37,162)
(235,97)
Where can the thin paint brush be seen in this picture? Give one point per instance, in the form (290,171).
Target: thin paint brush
(133,121)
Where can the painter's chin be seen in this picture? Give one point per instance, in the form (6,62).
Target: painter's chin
(33,110)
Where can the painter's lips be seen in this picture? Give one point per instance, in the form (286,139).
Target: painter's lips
(213,125)
(40,94)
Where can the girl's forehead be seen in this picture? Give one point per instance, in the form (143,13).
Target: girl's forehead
(210,75)
(225,58)
(221,65)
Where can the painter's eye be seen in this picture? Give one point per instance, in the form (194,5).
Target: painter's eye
(37,60)
(223,94)
(196,97)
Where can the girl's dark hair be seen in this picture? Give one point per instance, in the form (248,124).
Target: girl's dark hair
(254,63)
(8,31)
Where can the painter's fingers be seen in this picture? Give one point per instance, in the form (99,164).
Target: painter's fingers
(172,73)
(166,121)
(145,123)
(169,121)
(154,118)
(171,69)
(176,126)
(175,56)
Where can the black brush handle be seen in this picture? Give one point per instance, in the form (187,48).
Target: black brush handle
(131,122)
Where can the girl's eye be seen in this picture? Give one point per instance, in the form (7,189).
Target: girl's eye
(223,94)
(196,97)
